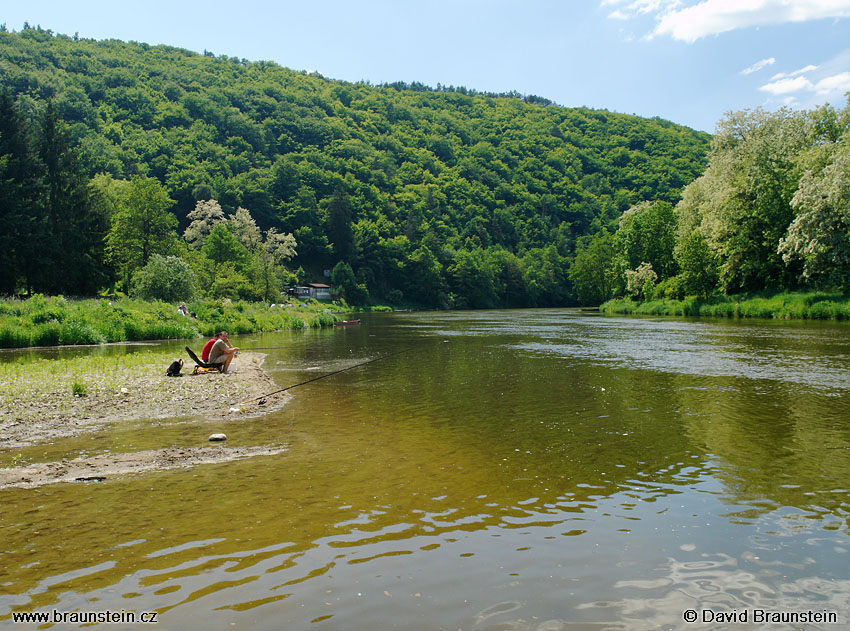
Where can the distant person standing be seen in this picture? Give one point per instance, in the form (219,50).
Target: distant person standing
(182,309)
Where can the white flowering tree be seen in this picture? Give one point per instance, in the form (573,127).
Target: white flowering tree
(641,281)
(270,250)
(820,233)
(203,218)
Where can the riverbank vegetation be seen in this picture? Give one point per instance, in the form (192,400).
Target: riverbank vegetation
(783,305)
(763,232)
(43,321)
(251,176)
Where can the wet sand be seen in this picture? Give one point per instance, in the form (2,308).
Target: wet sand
(142,393)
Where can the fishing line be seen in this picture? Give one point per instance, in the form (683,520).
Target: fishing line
(336,372)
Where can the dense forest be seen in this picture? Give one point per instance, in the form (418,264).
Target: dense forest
(158,171)
(770,213)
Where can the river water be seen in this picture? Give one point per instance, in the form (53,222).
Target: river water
(497,470)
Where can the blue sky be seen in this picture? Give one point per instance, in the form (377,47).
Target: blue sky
(689,61)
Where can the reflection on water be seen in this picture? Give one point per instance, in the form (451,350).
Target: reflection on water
(541,470)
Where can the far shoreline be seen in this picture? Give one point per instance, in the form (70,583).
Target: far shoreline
(798,306)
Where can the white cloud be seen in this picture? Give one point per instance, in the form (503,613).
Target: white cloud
(782,75)
(811,86)
(786,86)
(711,17)
(631,8)
(759,65)
(835,84)
(719,16)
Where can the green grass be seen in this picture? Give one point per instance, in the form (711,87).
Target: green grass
(783,306)
(53,321)
(79,389)
(25,379)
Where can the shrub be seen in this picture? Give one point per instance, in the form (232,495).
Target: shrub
(13,337)
(79,389)
(673,287)
(75,332)
(824,310)
(100,321)
(48,334)
(166,278)
(640,282)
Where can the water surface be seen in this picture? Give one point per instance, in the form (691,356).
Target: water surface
(498,470)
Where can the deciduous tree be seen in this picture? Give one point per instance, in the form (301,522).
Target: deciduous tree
(142,226)
(596,270)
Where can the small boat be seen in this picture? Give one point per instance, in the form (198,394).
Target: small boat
(346,322)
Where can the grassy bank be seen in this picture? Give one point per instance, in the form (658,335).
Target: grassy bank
(29,379)
(53,321)
(785,306)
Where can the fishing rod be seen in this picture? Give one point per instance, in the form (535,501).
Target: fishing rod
(336,372)
(267,348)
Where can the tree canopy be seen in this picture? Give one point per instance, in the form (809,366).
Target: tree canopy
(770,212)
(478,195)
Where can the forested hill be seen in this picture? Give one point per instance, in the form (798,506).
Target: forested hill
(401,182)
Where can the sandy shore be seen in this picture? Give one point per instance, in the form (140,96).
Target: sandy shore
(139,392)
(97,468)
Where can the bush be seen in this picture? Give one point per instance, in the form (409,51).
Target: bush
(49,334)
(13,337)
(824,310)
(79,389)
(673,287)
(166,278)
(640,282)
(75,332)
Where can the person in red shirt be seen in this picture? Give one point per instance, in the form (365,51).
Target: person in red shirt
(205,353)
(222,352)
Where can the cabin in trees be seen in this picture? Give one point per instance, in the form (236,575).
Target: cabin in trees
(318,291)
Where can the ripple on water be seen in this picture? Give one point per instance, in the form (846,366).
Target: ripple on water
(722,583)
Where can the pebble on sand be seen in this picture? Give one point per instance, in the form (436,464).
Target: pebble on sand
(217,437)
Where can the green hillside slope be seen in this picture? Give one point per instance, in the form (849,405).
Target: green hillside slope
(436,196)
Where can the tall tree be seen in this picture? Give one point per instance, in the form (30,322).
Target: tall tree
(21,186)
(141,227)
(820,233)
(697,264)
(744,207)
(647,234)
(339,230)
(203,218)
(269,251)
(75,231)
(595,272)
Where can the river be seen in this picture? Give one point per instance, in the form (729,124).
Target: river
(498,470)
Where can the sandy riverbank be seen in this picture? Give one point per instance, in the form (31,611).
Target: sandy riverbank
(43,412)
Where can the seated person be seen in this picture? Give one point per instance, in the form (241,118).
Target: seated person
(205,353)
(222,352)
